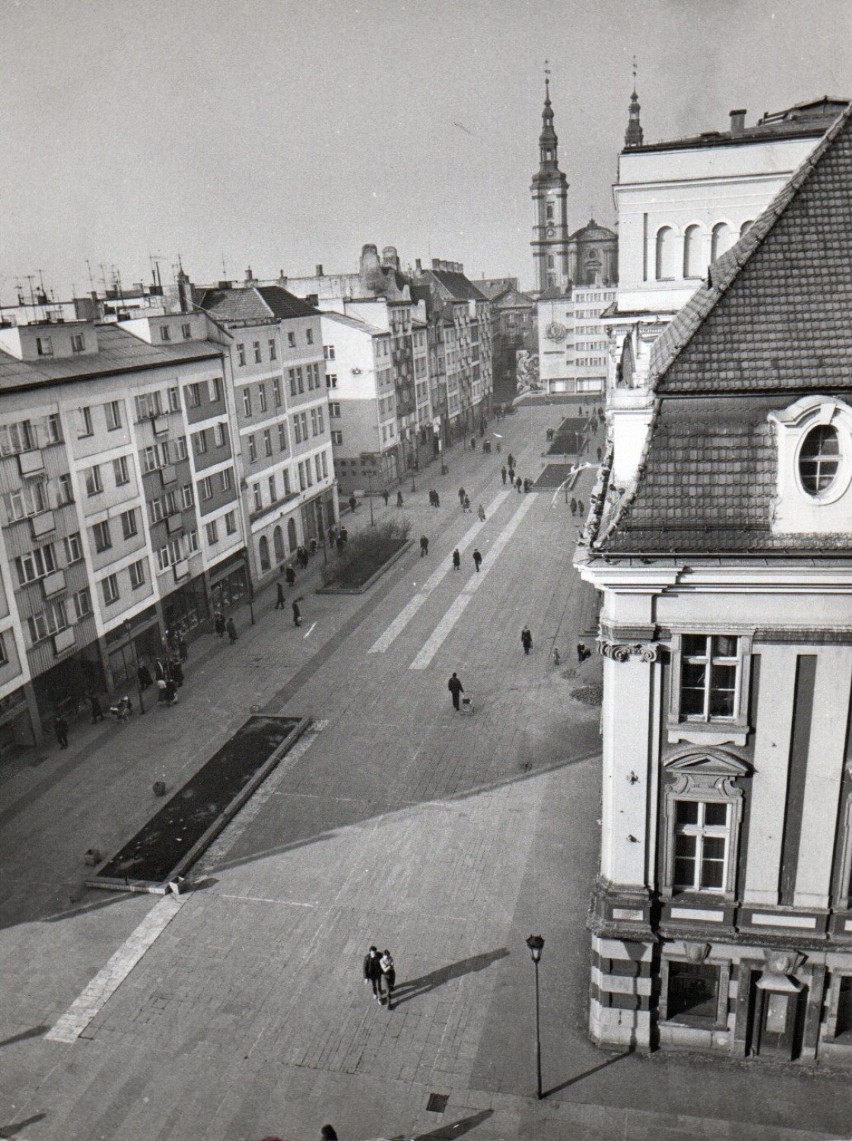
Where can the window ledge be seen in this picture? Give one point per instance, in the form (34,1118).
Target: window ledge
(708,732)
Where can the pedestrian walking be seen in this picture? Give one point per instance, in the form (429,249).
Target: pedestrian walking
(518,485)
(399,499)
(389,974)
(580,510)
(170,692)
(176,672)
(510,460)
(473,443)
(290,574)
(386,496)
(183,648)
(511,475)
(297,613)
(344,536)
(456,559)
(143,676)
(232,630)
(95,705)
(503,473)
(573,506)
(582,652)
(462,494)
(526,639)
(477,558)
(373,972)
(353,502)
(480,511)
(527,485)
(424,546)
(557,657)
(279,599)
(466,504)
(456,688)
(60,728)
(600,453)
(437,499)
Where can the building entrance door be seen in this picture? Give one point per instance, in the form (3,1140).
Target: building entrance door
(776,1028)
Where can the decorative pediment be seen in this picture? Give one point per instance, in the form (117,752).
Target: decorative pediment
(705,772)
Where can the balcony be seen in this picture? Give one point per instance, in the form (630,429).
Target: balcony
(181,569)
(42,524)
(53,584)
(174,523)
(64,640)
(31,463)
(168,474)
(160,424)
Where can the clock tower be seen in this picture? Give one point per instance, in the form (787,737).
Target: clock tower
(549,194)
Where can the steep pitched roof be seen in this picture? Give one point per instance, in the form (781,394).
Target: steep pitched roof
(284,304)
(262,303)
(773,322)
(456,284)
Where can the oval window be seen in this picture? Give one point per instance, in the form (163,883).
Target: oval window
(819,459)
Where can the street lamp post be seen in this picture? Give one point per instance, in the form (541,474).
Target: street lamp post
(536,945)
(138,682)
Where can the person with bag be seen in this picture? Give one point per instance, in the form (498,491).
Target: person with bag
(389,974)
(373,973)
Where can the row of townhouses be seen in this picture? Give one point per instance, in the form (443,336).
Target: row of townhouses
(165,453)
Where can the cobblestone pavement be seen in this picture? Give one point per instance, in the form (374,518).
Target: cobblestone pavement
(238,1010)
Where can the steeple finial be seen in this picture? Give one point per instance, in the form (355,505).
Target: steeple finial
(547,82)
(634,134)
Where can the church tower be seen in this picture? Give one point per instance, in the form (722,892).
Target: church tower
(549,194)
(634,134)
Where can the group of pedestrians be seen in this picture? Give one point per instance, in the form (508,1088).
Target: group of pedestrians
(577,507)
(380,972)
(510,475)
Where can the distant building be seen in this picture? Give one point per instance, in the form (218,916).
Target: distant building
(513,331)
(722,917)
(550,201)
(572,339)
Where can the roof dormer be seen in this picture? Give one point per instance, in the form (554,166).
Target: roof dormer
(814,450)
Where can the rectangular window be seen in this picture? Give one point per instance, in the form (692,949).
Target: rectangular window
(314,428)
(85,423)
(113,414)
(261,396)
(148,405)
(273,349)
(328,352)
(324,466)
(297,430)
(35,564)
(73,548)
(186,496)
(320,424)
(693,991)
(220,433)
(701,833)
(137,574)
(66,490)
(334,409)
(212,533)
(291,339)
(337,438)
(331,380)
(94,486)
(44,346)
(174,399)
(282,436)
(258,356)
(77,343)
(191,542)
(129,525)
(54,429)
(155,509)
(252,446)
(102,536)
(82,603)
(49,621)
(180,447)
(199,443)
(273,491)
(207,488)
(276,389)
(247,402)
(150,458)
(241,355)
(258,496)
(120,471)
(267,441)
(109,585)
(300,380)
(302,483)
(708,677)
(231,522)
(165,333)
(285,473)
(193,395)
(309,336)
(186,332)
(226,479)
(317,467)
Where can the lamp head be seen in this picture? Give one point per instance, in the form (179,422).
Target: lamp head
(536,945)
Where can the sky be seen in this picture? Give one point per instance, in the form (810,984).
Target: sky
(278,134)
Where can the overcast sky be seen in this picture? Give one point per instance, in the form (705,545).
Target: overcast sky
(280,134)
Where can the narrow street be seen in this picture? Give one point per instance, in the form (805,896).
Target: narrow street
(401,823)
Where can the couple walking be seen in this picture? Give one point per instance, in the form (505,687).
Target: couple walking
(379,968)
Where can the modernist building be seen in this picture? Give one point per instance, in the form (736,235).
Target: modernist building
(102,545)
(573,347)
(722,918)
(680,205)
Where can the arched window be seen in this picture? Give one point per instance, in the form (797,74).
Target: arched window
(665,262)
(291,535)
(263,552)
(692,266)
(819,459)
(550,261)
(746,226)
(723,239)
(278,543)
(550,211)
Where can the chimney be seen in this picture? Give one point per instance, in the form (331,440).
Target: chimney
(737,122)
(418,265)
(319,272)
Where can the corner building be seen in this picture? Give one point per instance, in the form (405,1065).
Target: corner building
(722,917)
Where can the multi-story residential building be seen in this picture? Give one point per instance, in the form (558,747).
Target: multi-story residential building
(281,424)
(513,331)
(573,344)
(680,205)
(100,551)
(722,918)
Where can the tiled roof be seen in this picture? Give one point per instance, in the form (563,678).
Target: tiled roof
(460,287)
(118,351)
(351,322)
(254,303)
(773,323)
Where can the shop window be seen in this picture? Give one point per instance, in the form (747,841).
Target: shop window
(692,991)
(844,1006)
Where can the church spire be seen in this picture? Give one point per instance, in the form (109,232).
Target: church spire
(547,140)
(634,134)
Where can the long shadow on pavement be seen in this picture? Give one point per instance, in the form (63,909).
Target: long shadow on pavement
(457,1128)
(414,988)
